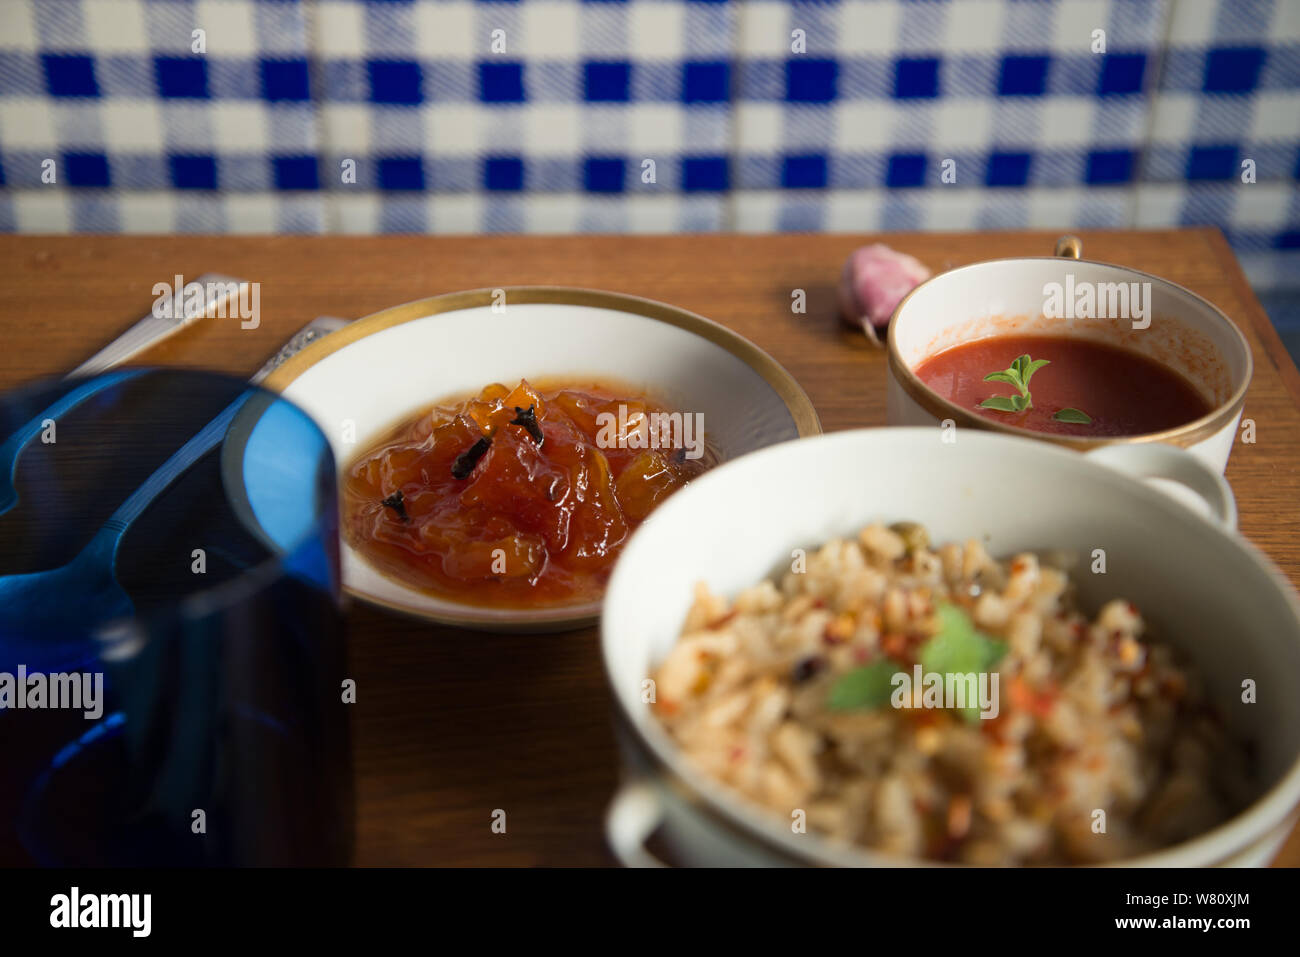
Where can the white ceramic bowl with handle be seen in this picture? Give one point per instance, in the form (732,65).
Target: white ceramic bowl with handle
(1208,591)
(1179,330)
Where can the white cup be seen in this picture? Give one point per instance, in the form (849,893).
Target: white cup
(1180,330)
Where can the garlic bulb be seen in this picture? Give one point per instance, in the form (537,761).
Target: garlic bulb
(874,281)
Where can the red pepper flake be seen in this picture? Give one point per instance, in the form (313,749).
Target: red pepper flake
(1174,686)
(893,644)
(994,728)
(938,846)
(923,717)
(1025,698)
(719,622)
(737,753)
(959,816)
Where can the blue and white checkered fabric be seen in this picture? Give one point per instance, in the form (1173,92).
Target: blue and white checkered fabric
(654,115)
(147,134)
(508,107)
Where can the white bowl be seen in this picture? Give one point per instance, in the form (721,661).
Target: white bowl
(1210,592)
(1006,297)
(358,382)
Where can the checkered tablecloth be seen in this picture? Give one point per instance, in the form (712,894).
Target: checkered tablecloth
(654,115)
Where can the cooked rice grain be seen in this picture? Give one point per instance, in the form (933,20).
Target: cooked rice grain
(1093,715)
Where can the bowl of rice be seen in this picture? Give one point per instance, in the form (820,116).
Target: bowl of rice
(881,648)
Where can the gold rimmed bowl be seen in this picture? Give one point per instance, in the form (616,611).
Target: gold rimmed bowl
(361,381)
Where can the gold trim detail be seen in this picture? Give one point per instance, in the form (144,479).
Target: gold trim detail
(782,382)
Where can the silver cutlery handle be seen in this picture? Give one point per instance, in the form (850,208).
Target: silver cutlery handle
(217,290)
(317,328)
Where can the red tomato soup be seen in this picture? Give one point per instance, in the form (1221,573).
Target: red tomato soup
(1120,392)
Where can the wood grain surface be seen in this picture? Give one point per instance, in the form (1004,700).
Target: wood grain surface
(451,725)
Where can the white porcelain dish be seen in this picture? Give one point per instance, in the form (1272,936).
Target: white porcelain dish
(1209,591)
(1006,297)
(359,382)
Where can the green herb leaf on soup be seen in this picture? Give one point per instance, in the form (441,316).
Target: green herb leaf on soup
(1008,377)
(1018,375)
(1029,367)
(1002,403)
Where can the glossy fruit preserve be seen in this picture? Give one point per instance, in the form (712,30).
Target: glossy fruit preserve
(1082,388)
(518,497)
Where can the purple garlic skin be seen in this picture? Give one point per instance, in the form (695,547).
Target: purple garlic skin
(874,281)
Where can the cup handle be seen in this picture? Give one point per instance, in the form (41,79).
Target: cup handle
(1069,247)
(1177,473)
(630,819)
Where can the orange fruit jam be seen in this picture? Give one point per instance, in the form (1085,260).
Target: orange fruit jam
(485,502)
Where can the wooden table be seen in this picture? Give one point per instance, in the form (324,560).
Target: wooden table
(451,725)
